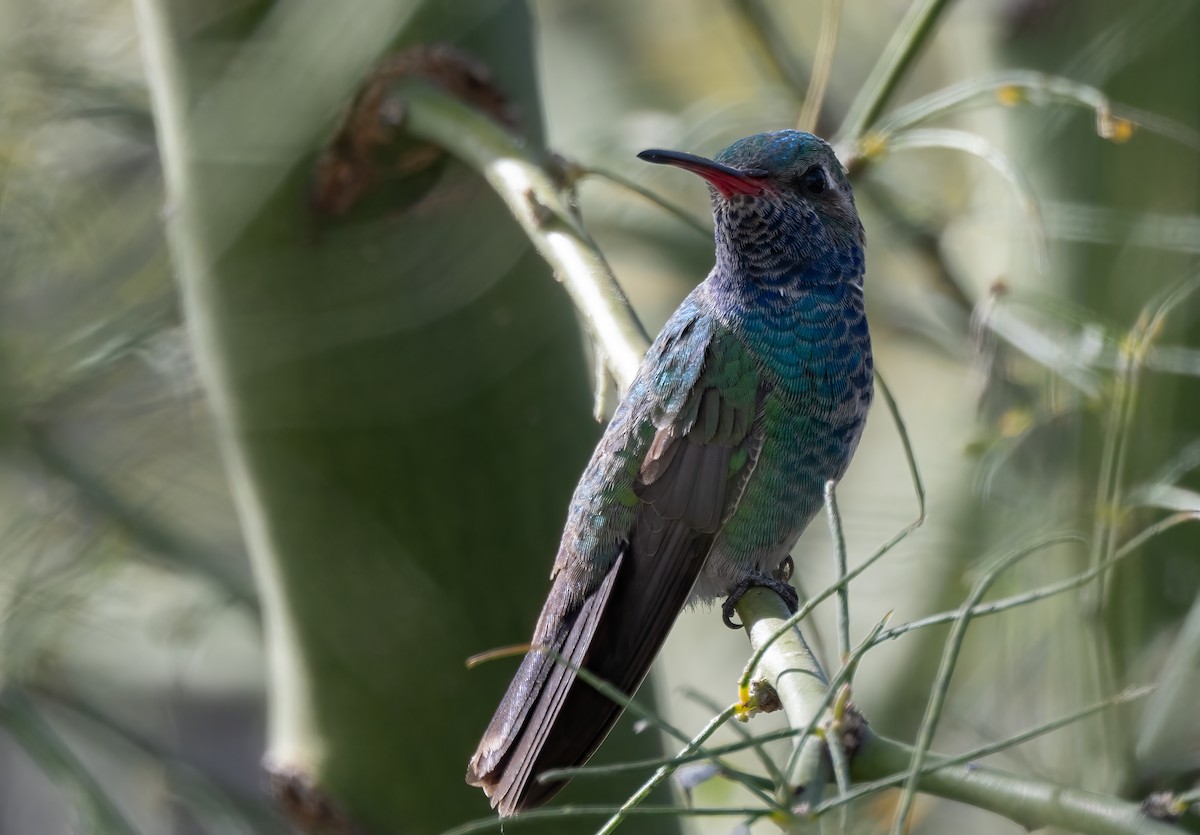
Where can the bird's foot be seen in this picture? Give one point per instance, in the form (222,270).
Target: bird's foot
(766,581)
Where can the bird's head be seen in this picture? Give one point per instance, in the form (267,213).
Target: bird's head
(782,205)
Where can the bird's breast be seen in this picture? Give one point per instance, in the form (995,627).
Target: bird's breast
(816,353)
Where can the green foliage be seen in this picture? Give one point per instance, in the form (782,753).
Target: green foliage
(399,403)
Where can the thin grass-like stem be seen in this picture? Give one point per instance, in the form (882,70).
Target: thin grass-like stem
(749,740)
(587,771)
(1110,500)
(941,763)
(495,823)
(818,82)
(941,683)
(840,567)
(911,36)
(977,146)
(1110,492)
(23,723)
(765,32)
(684,216)
(609,691)
(1007,603)
(664,771)
(1012,87)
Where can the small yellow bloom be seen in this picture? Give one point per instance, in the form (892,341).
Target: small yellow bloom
(1114,128)
(1010,95)
(1014,422)
(873,145)
(1120,131)
(783,819)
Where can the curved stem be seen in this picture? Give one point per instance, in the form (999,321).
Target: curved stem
(902,50)
(1029,802)
(818,82)
(1033,804)
(774,50)
(521,180)
(25,725)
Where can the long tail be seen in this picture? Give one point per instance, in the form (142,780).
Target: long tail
(549,718)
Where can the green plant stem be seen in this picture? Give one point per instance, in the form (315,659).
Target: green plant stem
(684,216)
(1033,804)
(570,812)
(910,455)
(748,739)
(1110,494)
(1030,803)
(25,724)
(649,716)
(520,179)
(1035,88)
(914,31)
(941,683)
(664,771)
(767,33)
(840,566)
(698,755)
(968,758)
(1032,596)
(147,529)
(818,82)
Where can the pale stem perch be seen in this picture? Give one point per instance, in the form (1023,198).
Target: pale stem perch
(792,670)
(520,178)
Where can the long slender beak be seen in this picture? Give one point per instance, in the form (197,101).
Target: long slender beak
(727,180)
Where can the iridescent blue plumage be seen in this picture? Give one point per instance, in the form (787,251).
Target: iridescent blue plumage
(753,396)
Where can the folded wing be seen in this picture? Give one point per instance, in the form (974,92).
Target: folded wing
(666,474)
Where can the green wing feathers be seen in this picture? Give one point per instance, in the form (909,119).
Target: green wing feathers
(668,471)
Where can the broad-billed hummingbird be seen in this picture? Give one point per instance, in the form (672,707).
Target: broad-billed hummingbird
(752,397)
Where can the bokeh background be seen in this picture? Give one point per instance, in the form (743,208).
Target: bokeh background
(134,676)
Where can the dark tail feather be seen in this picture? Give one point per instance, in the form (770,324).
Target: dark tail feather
(547,718)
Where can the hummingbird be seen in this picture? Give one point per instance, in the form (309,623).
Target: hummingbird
(752,397)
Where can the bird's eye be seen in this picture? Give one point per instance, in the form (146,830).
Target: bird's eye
(813,180)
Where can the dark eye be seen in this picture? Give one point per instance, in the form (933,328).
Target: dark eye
(813,181)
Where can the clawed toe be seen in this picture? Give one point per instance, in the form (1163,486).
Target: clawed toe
(766,581)
(730,604)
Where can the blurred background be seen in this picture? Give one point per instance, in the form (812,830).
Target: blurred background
(409,400)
